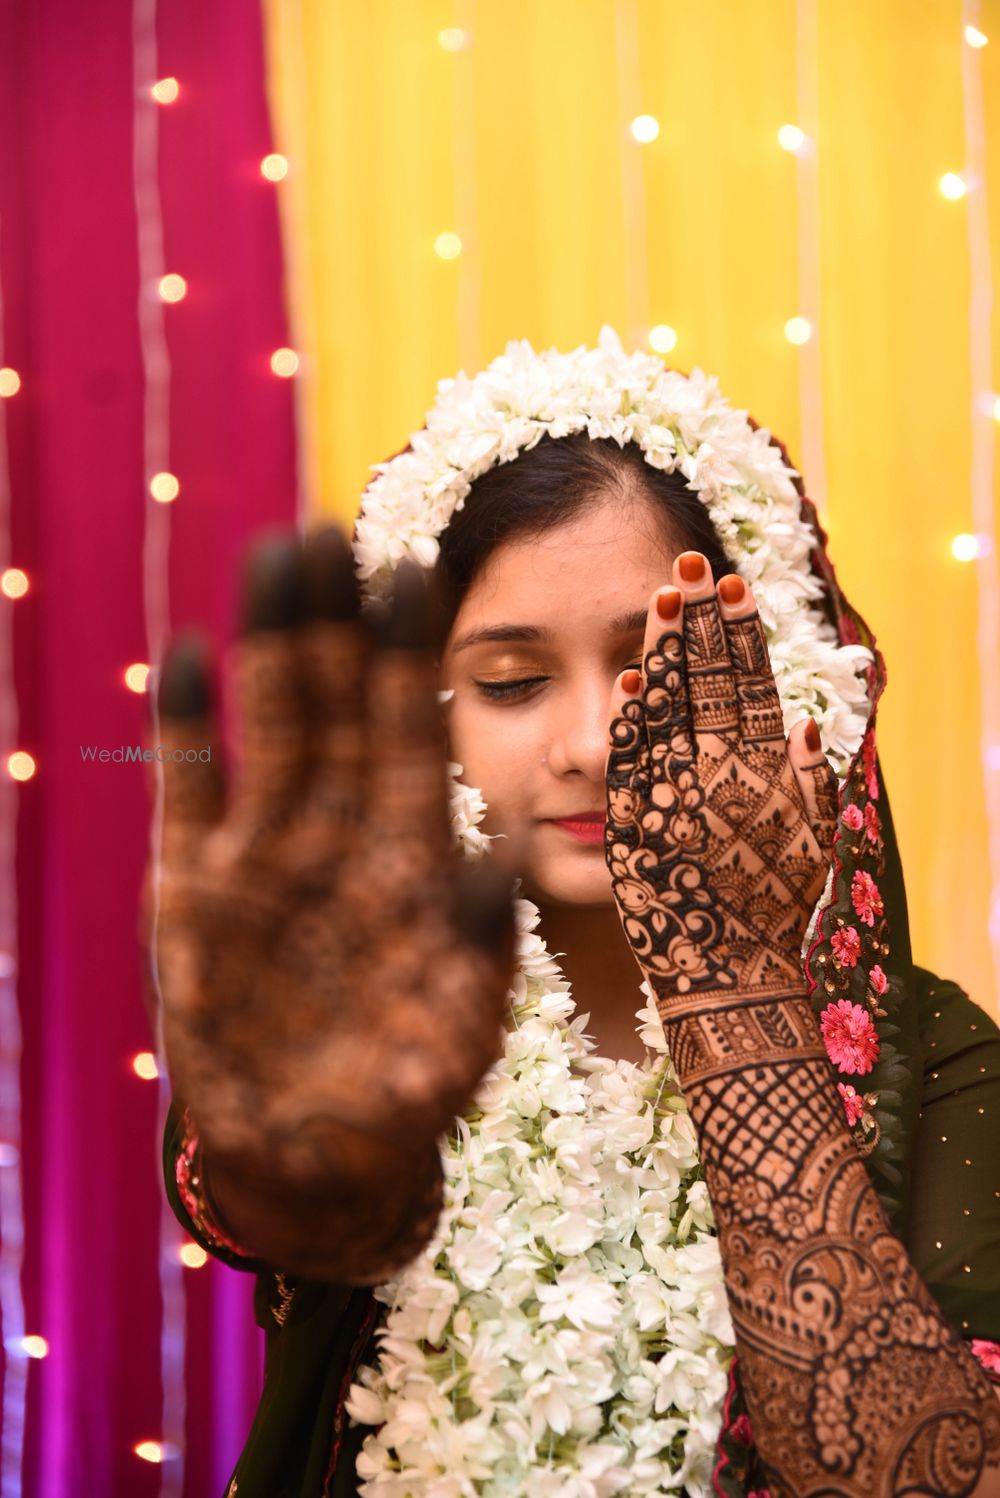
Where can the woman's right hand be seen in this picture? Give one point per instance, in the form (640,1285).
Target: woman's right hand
(333,974)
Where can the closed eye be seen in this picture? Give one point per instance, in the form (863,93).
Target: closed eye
(498,691)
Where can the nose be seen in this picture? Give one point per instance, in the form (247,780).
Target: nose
(579,732)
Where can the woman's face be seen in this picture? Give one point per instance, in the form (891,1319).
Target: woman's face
(532,657)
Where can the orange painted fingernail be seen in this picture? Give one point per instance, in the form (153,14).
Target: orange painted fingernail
(631,681)
(692,566)
(668,605)
(812,735)
(732,589)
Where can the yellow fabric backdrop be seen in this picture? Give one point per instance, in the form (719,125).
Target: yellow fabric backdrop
(518,143)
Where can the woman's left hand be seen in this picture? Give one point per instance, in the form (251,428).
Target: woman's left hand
(720,831)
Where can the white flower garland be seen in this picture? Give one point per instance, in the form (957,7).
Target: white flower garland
(566,1333)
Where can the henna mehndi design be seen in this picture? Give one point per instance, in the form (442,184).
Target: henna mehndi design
(333,977)
(718,850)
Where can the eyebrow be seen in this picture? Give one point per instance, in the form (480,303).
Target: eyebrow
(621,624)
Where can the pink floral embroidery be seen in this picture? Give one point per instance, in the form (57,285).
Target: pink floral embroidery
(873,822)
(853,818)
(742,1431)
(865,897)
(878,980)
(853,1104)
(988,1354)
(868,759)
(846,945)
(849,1036)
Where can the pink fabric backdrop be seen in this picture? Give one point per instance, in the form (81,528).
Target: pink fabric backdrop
(70,279)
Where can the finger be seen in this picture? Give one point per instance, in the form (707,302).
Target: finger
(760,717)
(267,668)
(628,748)
(666,709)
(334,648)
(407,746)
(710,679)
(817,780)
(189,750)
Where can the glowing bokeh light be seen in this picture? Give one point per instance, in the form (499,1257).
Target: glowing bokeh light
(20,765)
(192,1256)
(10,381)
(448,246)
(644,128)
(144,1065)
(798,330)
(284,362)
(172,288)
(274,167)
(452,38)
(953,186)
(165,91)
(975,37)
(14,582)
(164,487)
(662,338)
(791,138)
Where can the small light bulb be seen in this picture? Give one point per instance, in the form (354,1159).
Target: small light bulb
(975,37)
(34,1347)
(136,676)
(144,1065)
(452,38)
(172,288)
(966,547)
(274,167)
(644,128)
(10,382)
(155,1451)
(166,90)
(953,186)
(14,582)
(164,487)
(448,246)
(791,138)
(20,766)
(662,338)
(798,330)
(192,1256)
(284,362)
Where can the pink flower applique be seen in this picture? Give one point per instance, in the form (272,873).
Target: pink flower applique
(853,818)
(988,1354)
(846,945)
(853,1103)
(873,823)
(868,760)
(878,980)
(849,1036)
(865,897)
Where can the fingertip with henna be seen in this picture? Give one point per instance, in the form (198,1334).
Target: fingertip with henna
(183,689)
(272,584)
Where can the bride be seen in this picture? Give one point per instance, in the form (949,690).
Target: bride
(506,1240)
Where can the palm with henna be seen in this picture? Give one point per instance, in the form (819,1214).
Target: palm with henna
(333,975)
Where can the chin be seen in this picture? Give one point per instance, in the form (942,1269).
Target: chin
(577,879)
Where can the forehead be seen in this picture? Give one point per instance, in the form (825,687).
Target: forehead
(611,555)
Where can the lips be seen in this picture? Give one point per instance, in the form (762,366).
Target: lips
(584,826)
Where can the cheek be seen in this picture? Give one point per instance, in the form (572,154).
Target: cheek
(500,753)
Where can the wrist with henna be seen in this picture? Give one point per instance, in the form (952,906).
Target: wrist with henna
(854,1381)
(358,1228)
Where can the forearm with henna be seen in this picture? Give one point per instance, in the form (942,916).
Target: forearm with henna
(718,841)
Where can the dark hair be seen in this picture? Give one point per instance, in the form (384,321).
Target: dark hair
(552,482)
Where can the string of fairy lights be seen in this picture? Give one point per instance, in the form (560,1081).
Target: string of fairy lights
(163,289)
